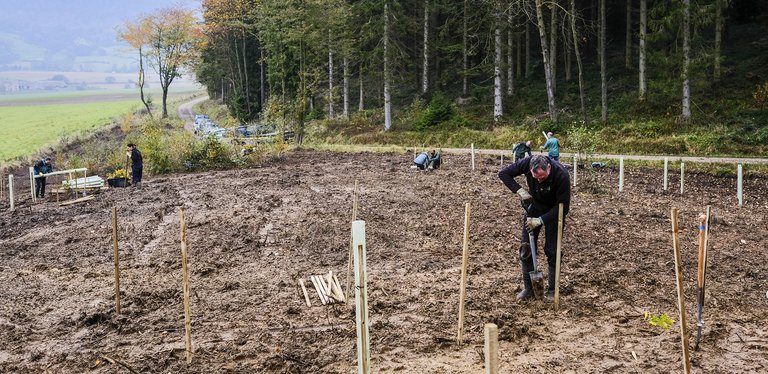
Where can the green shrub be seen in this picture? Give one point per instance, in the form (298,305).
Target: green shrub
(440,109)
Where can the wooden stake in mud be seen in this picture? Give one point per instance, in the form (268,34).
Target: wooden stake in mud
(117,260)
(682,177)
(304,291)
(10,190)
(739,185)
(502,159)
(702,264)
(473,156)
(185,288)
(575,168)
(463,286)
(491,349)
(361,299)
(557,259)
(351,244)
(680,292)
(621,174)
(666,168)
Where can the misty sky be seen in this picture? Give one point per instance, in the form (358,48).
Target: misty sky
(61,26)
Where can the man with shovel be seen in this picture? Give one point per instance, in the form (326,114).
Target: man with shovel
(549,185)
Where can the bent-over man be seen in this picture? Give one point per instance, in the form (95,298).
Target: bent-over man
(548,185)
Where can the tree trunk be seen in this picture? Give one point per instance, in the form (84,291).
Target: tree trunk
(567,48)
(686,59)
(361,102)
(263,77)
(527,49)
(147,102)
(346,87)
(510,59)
(641,48)
(465,72)
(718,36)
(519,65)
(497,104)
(628,42)
(425,74)
(553,44)
(545,58)
(330,76)
(603,81)
(387,99)
(578,61)
(247,85)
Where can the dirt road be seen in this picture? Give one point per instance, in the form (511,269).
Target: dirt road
(187,114)
(254,232)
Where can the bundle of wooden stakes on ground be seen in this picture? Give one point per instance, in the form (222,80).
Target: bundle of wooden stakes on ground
(328,289)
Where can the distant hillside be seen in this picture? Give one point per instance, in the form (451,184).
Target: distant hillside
(73,35)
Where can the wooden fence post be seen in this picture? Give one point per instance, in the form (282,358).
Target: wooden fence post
(185,288)
(666,168)
(473,156)
(740,185)
(680,291)
(491,349)
(361,299)
(575,168)
(621,174)
(463,286)
(117,260)
(682,177)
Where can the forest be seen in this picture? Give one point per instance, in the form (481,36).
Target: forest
(442,65)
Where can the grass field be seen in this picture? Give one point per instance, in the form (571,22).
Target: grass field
(26,129)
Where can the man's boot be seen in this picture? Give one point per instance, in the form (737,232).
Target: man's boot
(526,266)
(138,185)
(550,295)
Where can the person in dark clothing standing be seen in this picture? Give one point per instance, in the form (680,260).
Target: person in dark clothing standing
(549,185)
(137,166)
(42,168)
(520,149)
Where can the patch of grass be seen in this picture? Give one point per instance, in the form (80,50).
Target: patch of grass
(27,129)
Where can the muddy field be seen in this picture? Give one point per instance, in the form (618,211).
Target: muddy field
(252,233)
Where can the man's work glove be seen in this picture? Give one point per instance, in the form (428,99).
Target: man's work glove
(128,154)
(41,174)
(525,196)
(533,223)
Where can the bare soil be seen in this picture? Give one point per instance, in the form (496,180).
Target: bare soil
(252,233)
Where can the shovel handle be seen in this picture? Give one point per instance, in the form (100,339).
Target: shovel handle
(532,242)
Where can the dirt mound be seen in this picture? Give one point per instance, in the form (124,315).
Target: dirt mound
(252,233)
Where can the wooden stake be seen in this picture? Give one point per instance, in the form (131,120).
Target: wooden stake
(621,174)
(575,168)
(473,156)
(185,288)
(666,166)
(32,184)
(2,190)
(739,185)
(491,350)
(680,292)
(682,177)
(320,293)
(10,190)
(361,299)
(502,159)
(463,286)
(557,261)
(304,291)
(706,246)
(117,260)
(351,245)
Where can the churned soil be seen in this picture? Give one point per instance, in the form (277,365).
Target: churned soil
(252,233)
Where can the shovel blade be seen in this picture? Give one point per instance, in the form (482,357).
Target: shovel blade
(537,281)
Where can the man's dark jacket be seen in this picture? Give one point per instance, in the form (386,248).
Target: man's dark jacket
(547,194)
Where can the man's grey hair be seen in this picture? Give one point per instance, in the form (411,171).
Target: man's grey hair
(539,162)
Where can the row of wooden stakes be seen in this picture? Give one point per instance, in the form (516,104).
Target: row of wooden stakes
(327,287)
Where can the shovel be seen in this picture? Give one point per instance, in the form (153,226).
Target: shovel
(537,278)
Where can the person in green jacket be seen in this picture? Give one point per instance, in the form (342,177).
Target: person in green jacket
(552,146)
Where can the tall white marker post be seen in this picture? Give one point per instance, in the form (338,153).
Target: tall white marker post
(491,349)
(361,299)
(10,189)
(575,168)
(621,174)
(666,168)
(32,184)
(682,177)
(473,156)
(739,185)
